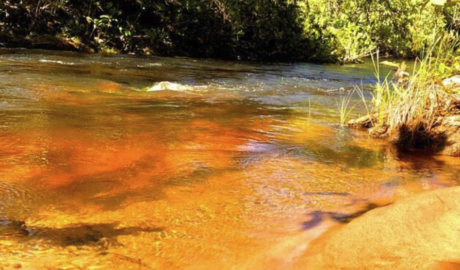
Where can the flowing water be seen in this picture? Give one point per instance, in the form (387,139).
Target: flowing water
(240,171)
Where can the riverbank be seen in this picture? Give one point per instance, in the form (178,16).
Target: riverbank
(439,134)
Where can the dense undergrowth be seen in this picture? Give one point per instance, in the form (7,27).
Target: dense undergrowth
(313,30)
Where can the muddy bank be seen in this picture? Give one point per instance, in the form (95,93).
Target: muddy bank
(420,232)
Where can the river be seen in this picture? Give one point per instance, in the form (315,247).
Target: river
(241,171)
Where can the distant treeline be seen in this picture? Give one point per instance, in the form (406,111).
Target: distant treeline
(271,30)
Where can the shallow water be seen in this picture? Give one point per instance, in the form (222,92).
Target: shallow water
(240,173)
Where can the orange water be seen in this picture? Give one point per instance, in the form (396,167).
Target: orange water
(97,175)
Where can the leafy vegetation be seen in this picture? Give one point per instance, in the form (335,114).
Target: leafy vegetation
(356,28)
(315,30)
(232,29)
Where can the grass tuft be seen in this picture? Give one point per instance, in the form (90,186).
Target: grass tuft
(414,103)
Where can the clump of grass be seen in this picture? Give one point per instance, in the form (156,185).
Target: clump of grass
(415,103)
(345,106)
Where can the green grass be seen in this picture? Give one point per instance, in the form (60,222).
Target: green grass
(345,106)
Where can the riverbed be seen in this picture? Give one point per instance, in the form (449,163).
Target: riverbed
(241,171)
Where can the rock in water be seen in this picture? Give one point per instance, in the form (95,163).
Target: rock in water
(419,232)
(161,86)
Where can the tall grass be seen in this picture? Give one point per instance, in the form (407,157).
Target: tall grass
(343,105)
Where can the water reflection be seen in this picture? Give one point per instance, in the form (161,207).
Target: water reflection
(95,173)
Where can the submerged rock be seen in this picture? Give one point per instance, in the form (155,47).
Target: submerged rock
(420,232)
(366,121)
(378,131)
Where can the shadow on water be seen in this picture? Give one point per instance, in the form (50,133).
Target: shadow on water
(418,160)
(422,138)
(348,155)
(99,235)
(317,217)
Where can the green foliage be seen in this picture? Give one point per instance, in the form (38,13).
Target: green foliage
(355,28)
(316,30)
(269,30)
